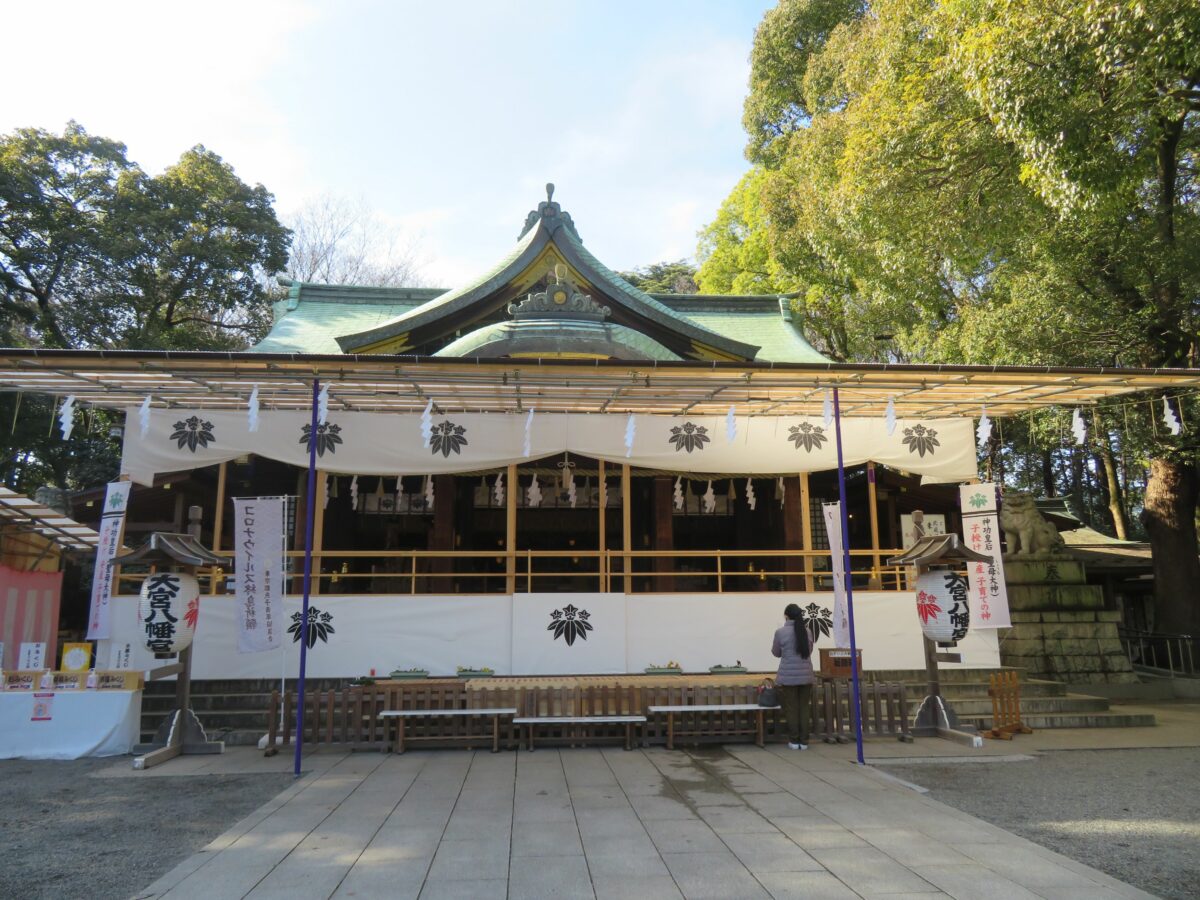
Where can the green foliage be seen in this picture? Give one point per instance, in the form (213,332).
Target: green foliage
(677,277)
(94,252)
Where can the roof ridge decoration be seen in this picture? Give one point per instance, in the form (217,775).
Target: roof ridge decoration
(559,300)
(551,213)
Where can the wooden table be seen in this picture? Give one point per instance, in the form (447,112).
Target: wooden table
(671,711)
(401,714)
(629,721)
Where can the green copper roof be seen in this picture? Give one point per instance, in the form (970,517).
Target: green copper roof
(753,319)
(549,339)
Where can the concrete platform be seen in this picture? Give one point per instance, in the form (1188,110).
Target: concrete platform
(731,821)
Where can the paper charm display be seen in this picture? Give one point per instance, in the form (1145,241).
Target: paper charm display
(942,605)
(168,606)
(66,417)
(751,500)
(1171,418)
(983,433)
(678,492)
(533,496)
(144,417)
(710,499)
(1078,428)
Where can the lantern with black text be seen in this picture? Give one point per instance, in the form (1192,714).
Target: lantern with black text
(168,609)
(942,605)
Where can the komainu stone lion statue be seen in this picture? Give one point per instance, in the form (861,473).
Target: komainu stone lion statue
(1027,530)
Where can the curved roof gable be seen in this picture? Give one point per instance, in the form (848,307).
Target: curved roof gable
(548,232)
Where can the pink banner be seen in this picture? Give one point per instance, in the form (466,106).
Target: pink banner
(29,603)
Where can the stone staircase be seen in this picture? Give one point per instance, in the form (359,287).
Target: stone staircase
(1044,704)
(235,711)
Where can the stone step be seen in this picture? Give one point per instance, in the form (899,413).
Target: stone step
(1035,705)
(966,690)
(1106,719)
(206,702)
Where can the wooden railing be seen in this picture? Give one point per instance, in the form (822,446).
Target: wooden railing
(349,718)
(633,571)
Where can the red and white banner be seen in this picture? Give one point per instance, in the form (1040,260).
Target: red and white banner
(258,533)
(29,603)
(112,523)
(981,532)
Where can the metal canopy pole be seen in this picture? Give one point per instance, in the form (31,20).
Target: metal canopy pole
(309,517)
(841,469)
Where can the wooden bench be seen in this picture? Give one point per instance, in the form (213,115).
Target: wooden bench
(692,708)
(530,722)
(400,715)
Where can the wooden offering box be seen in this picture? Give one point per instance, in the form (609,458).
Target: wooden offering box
(835,663)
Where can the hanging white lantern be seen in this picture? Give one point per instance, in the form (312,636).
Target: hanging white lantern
(942,605)
(167,610)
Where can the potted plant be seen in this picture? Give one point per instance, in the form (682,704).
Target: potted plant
(738,668)
(362,681)
(472,672)
(671,668)
(412,674)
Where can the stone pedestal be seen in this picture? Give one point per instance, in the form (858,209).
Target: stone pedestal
(1062,629)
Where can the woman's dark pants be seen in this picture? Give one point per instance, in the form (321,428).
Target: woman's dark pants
(796,700)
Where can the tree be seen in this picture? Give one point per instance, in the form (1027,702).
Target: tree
(993,181)
(96,253)
(677,277)
(337,241)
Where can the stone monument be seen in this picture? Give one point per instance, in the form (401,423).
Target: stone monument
(1062,629)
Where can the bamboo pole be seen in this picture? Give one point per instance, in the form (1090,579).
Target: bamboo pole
(873,503)
(219,513)
(319,529)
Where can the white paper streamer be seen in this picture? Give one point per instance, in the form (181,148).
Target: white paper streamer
(252,411)
(572,494)
(329,483)
(1171,418)
(630,432)
(144,416)
(780,490)
(528,449)
(889,417)
(983,433)
(828,409)
(1078,427)
(710,499)
(679,492)
(533,495)
(498,490)
(66,417)
(751,500)
(429,497)
(427,424)
(731,425)
(354,492)
(323,405)
(399,485)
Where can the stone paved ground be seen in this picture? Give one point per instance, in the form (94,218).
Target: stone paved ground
(1134,813)
(722,822)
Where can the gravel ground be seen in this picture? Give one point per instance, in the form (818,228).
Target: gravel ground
(1134,814)
(63,834)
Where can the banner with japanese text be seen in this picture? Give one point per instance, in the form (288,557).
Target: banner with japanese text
(112,523)
(259,571)
(981,532)
(841,616)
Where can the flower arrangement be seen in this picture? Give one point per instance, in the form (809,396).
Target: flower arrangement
(473,672)
(720,668)
(411,674)
(671,668)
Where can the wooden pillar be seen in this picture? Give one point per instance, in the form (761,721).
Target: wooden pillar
(793,530)
(601,498)
(318,531)
(626,525)
(298,524)
(664,532)
(219,512)
(876,581)
(510,530)
(806,528)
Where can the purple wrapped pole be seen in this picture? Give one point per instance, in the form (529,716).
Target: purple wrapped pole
(309,515)
(837,422)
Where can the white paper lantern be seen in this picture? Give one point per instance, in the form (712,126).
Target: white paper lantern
(168,609)
(942,605)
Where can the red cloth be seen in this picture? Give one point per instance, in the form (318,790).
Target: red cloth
(29,604)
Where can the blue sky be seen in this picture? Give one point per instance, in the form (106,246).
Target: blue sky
(447,118)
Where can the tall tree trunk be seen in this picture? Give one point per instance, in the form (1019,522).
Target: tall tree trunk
(1169,517)
(1111,485)
(1077,504)
(1047,473)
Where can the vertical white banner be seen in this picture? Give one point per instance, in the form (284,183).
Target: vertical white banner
(981,532)
(841,617)
(112,522)
(259,571)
